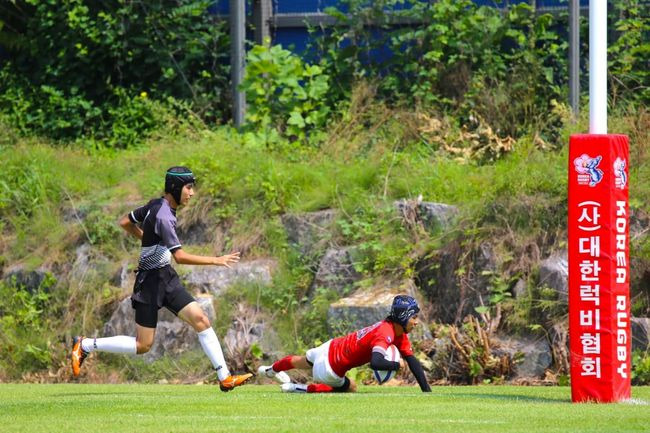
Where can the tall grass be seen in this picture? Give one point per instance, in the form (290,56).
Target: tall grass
(53,199)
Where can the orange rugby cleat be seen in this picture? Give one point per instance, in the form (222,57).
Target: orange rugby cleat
(233,381)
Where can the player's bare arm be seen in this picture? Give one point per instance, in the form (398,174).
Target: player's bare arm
(130,228)
(183,258)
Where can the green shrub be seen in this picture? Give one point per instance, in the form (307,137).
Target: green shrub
(76,67)
(456,54)
(345,49)
(122,121)
(640,368)
(24,326)
(284,97)
(629,52)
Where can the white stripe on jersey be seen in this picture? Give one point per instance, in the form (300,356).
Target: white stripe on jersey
(154,257)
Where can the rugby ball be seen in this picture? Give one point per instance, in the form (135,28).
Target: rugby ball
(383,376)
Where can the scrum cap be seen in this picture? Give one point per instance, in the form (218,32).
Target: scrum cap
(404,307)
(175,179)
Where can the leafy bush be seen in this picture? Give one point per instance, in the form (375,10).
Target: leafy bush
(628,55)
(383,243)
(347,50)
(452,59)
(77,68)
(508,66)
(24,326)
(284,97)
(120,122)
(640,368)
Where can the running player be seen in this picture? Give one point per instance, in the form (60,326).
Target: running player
(157,284)
(330,361)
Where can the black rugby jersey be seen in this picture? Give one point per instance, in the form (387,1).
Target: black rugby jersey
(159,240)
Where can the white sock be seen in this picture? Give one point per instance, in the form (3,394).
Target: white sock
(117,344)
(212,348)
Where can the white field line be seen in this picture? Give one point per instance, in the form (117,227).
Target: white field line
(635,401)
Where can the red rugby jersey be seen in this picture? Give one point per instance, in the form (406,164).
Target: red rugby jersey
(355,349)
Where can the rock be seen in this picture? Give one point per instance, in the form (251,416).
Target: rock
(359,310)
(454,295)
(89,265)
(196,234)
(336,272)
(122,321)
(369,306)
(432,215)
(74,215)
(173,336)
(250,327)
(554,273)
(559,337)
(30,280)
(309,232)
(530,356)
(640,333)
(519,290)
(533,355)
(639,224)
(124,278)
(214,280)
(197,225)
(440,353)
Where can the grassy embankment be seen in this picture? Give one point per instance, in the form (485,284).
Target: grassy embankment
(55,198)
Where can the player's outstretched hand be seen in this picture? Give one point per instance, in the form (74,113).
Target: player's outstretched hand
(228,259)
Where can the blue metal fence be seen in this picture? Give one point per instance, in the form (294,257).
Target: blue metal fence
(288,23)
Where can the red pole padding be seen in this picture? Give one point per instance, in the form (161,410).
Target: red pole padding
(599,268)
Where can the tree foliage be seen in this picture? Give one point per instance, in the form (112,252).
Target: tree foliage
(79,68)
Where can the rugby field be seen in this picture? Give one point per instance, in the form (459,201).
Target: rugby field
(252,408)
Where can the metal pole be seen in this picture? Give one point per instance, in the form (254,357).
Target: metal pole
(262,20)
(237,59)
(598,66)
(574,57)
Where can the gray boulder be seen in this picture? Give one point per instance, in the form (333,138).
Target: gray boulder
(433,216)
(454,295)
(369,306)
(533,356)
(31,280)
(214,280)
(250,327)
(173,336)
(70,214)
(309,232)
(519,290)
(639,224)
(197,233)
(640,333)
(124,278)
(558,335)
(442,365)
(554,274)
(359,310)
(89,266)
(336,272)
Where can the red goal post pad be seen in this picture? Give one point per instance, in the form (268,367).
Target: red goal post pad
(599,268)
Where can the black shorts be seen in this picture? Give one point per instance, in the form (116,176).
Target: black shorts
(155,289)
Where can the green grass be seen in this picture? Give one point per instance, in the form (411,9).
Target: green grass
(191,408)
